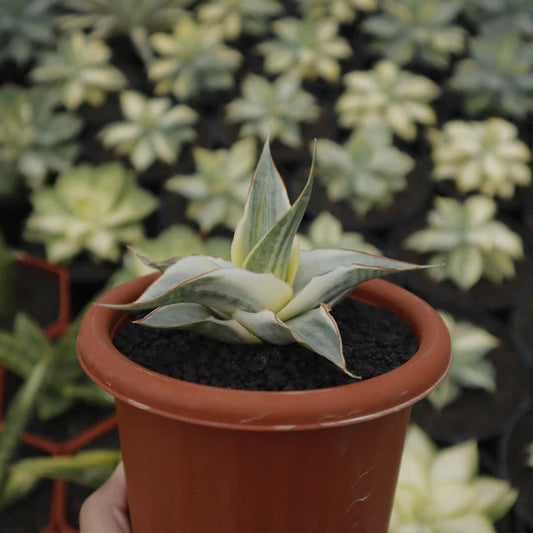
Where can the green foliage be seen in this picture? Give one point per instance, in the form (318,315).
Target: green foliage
(270,291)
(309,48)
(238,16)
(175,241)
(366,171)
(92,208)
(387,95)
(217,191)
(18,416)
(34,138)
(154,129)
(341,10)
(481,156)
(79,69)
(493,15)
(7,293)
(89,468)
(192,59)
(25,27)
(65,383)
(442,491)
(470,368)
(465,237)
(273,110)
(136,18)
(417,31)
(498,75)
(326,232)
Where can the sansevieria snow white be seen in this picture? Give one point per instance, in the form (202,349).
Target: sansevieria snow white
(270,291)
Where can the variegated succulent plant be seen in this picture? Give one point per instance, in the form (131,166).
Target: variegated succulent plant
(326,232)
(484,156)
(441,491)
(34,138)
(240,16)
(270,291)
(154,129)
(273,109)
(217,190)
(493,15)
(309,48)
(192,59)
(136,18)
(468,241)
(366,171)
(80,70)
(25,27)
(470,368)
(387,95)
(341,10)
(89,208)
(498,74)
(417,31)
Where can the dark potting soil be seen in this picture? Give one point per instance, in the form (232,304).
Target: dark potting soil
(375,341)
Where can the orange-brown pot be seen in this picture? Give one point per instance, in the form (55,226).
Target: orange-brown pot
(202,459)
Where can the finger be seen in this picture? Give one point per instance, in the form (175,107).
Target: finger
(106,509)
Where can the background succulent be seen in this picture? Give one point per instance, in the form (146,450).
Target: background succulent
(217,190)
(305,47)
(153,130)
(175,241)
(465,238)
(80,70)
(386,94)
(441,490)
(237,16)
(270,291)
(326,232)
(482,156)
(273,109)
(136,18)
(417,31)
(498,74)
(34,138)
(341,10)
(192,59)
(470,368)
(493,15)
(366,171)
(25,27)
(92,208)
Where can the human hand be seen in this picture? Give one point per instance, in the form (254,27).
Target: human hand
(106,509)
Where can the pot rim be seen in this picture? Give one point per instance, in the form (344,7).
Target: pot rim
(268,410)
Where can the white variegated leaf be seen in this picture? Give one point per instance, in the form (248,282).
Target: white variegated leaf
(266,326)
(278,245)
(224,289)
(267,202)
(457,463)
(317,262)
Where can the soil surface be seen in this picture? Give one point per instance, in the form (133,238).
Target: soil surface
(375,341)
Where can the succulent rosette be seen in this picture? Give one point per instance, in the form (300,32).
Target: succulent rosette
(270,291)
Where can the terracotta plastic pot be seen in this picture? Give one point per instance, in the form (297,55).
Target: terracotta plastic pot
(202,459)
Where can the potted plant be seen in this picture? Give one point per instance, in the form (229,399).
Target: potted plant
(203,458)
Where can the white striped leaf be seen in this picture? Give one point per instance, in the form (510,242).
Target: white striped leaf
(266,203)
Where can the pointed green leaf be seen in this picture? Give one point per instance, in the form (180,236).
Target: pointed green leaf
(317,330)
(272,252)
(224,289)
(317,262)
(266,203)
(332,287)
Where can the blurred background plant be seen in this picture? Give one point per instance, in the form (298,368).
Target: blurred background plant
(468,242)
(470,367)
